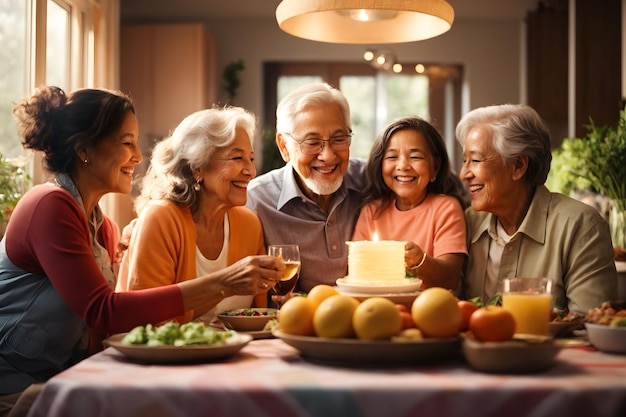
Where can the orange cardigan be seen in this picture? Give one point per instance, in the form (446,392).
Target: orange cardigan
(162,248)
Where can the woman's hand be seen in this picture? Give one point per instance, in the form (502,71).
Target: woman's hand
(252,275)
(413,254)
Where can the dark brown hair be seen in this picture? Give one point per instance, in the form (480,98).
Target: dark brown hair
(59,125)
(445,182)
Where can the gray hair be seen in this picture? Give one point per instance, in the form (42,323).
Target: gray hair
(305,97)
(170,175)
(517,130)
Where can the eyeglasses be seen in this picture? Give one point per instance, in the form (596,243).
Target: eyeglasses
(313,146)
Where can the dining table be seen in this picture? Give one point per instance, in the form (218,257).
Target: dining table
(268,377)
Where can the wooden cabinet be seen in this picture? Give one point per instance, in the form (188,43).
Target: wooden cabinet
(597,68)
(169,71)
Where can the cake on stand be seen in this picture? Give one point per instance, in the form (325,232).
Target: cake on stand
(376,269)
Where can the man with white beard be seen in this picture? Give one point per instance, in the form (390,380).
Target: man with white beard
(313,201)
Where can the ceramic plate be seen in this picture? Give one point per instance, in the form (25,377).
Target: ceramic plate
(409,286)
(563,328)
(260,334)
(247,323)
(399,298)
(513,356)
(606,338)
(179,354)
(371,352)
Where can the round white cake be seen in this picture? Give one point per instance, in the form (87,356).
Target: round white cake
(376,262)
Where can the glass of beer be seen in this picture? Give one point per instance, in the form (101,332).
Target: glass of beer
(529,300)
(290,255)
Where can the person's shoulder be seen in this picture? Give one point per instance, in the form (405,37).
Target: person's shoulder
(47,196)
(357,164)
(274,176)
(474,218)
(355,174)
(161,206)
(243,212)
(443,199)
(47,189)
(561,203)
(160,210)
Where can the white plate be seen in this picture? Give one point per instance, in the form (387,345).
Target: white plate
(178,354)
(371,352)
(406,298)
(409,286)
(606,338)
(260,334)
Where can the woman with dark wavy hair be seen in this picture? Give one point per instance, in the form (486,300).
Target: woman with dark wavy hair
(411,195)
(56,257)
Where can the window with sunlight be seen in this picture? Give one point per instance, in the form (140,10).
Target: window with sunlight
(375,100)
(14,29)
(45,42)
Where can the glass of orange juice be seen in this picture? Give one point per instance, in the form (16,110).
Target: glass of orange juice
(529,300)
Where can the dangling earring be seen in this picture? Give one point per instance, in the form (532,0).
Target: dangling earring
(196,186)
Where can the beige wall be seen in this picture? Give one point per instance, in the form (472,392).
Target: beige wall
(489,51)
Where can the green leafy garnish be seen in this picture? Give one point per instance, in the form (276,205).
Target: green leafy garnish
(495,300)
(172,334)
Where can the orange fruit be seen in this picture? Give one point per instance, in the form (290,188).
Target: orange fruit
(405,315)
(296,316)
(492,324)
(436,313)
(376,318)
(467,308)
(321,292)
(333,317)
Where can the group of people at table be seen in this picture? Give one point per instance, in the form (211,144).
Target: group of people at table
(198,245)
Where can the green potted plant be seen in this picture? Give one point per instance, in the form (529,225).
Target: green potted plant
(14,181)
(596,162)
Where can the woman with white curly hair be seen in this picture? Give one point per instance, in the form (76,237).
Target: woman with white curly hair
(191,220)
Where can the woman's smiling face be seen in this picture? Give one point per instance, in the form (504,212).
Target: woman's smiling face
(489,179)
(408,167)
(112,162)
(230,170)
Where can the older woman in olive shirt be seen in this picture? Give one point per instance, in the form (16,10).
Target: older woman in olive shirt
(516,226)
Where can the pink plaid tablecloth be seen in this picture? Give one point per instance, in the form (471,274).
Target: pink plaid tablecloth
(268,378)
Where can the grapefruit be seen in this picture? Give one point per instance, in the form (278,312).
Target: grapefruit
(376,318)
(321,292)
(296,316)
(436,313)
(333,317)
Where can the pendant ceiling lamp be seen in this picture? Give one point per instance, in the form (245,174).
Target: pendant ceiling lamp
(365,21)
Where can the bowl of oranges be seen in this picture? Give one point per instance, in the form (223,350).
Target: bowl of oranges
(328,326)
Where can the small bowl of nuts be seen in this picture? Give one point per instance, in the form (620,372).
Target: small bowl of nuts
(247,319)
(606,327)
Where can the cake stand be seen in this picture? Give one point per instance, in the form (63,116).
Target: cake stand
(404,293)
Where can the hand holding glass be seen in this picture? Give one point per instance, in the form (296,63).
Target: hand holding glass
(530,302)
(290,255)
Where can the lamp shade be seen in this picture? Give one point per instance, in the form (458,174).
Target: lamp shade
(365,21)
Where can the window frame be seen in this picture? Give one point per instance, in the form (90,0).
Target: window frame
(444,99)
